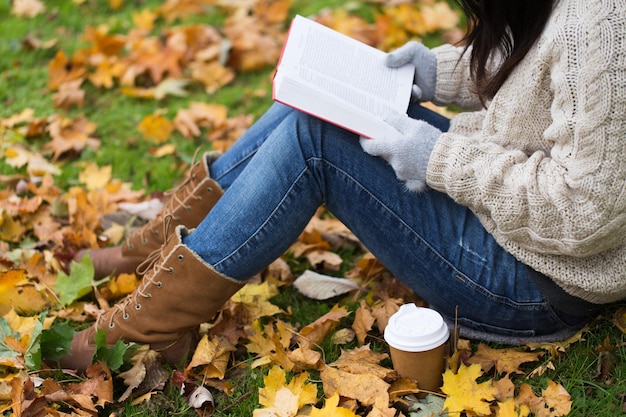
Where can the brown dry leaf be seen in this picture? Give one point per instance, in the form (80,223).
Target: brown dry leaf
(505,360)
(71,135)
(365,388)
(156,128)
(212,75)
(363,322)
(189,121)
(272,12)
(367,268)
(557,399)
(527,397)
(505,388)
(95,390)
(304,358)
(402,387)
(363,360)
(383,310)
(103,43)
(557,348)
(213,355)
(62,70)
(69,95)
(177,9)
(349,24)
(254,43)
(323,259)
(619,319)
(465,394)
(27,8)
(316,332)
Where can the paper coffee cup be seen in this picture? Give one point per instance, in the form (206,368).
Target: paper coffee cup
(417,339)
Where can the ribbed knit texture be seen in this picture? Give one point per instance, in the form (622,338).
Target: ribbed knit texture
(544,167)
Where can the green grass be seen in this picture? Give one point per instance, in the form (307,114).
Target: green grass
(23,84)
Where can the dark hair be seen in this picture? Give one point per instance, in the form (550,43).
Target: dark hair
(507,27)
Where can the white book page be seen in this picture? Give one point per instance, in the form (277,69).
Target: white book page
(346,68)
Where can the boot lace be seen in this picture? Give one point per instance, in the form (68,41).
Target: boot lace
(177,198)
(148,269)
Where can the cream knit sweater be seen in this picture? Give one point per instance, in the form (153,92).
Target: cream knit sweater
(544,166)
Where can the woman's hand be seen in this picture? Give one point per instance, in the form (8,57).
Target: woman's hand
(408,155)
(425,62)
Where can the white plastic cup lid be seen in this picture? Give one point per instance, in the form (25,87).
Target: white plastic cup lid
(416,329)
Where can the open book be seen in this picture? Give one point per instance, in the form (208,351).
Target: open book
(340,79)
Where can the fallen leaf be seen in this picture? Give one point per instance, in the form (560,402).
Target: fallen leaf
(156,128)
(331,409)
(322,287)
(504,360)
(363,321)
(27,8)
(465,394)
(19,293)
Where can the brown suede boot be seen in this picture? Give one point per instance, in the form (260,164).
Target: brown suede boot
(188,204)
(178,293)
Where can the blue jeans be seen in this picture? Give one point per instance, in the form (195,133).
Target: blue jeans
(288,164)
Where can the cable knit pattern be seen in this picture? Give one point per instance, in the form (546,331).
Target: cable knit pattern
(544,166)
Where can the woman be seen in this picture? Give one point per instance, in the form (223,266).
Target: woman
(512,216)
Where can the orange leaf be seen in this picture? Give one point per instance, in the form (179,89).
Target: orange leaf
(156,127)
(19,293)
(62,70)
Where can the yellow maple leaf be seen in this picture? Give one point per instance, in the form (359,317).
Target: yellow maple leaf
(95,177)
(285,399)
(156,127)
(331,409)
(19,293)
(256,297)
(510,408)
(465,394)
(144,19)
(213,354)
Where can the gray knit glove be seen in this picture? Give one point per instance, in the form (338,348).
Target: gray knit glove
(408,155)
(425,62)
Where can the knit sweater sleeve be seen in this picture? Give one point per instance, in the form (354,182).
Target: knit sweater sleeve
(454,84)
(546,172)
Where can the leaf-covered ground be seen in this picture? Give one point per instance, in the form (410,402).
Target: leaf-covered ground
(104,106)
